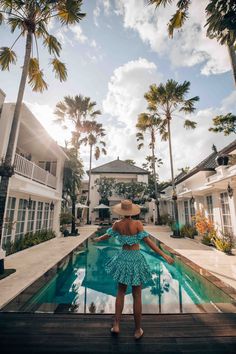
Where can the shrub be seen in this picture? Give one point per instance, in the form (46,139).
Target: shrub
(224,242)
(30,239)
(188,231)
(165,219)
(65,218)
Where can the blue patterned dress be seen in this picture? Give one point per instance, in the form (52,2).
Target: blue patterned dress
(128,266)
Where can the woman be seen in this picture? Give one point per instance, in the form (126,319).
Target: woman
(129,267)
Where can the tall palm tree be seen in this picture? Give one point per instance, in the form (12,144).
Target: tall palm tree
(149,122)
(31,19)
(72,112)
(94,133)
(220,22)
(73,172)
(166,100)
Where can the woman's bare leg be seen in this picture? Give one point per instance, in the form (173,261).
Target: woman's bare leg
(137,297)
(119,306)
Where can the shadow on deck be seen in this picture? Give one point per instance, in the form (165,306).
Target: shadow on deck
(75,333)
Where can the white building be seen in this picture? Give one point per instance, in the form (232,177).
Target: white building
(121,171)
(35,189)
(208,187)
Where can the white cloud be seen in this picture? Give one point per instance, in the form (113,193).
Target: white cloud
(96,14)
(93,43)
(124,101)
(79,35)
(189,46)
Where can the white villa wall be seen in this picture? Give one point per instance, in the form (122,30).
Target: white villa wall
(201,185)
(32,137)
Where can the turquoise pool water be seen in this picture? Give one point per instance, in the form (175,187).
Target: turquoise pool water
(82,286)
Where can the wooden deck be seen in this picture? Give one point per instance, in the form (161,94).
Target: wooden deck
(74,333)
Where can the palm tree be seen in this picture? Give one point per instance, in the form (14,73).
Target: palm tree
(149,122)
(73,111)
(73,172)
(94,133)
(220,22)
(31,19)
(166,100)
(225,124)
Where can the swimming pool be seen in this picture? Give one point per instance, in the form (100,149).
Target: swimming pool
(80,285)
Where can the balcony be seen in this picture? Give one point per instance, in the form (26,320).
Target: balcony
(30,170)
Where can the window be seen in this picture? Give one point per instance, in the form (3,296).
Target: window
(39,216)
(9,220)
(51,219)
(31,217)
(21,218)
(46,216)
(226,218)
(186,212)
(192,211)
(209,202)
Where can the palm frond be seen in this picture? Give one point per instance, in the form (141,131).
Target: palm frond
(54,47)
(69,12)
(7,57)
(189,124)
(16,23)
(176,21)
(188,106)
(158,3)
(59,69)
(36,76)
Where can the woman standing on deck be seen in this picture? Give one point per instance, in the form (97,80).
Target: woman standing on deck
(129,267)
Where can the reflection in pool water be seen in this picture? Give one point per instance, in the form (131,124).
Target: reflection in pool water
(84,287)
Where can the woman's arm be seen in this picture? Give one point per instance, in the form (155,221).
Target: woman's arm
(156,249)
(101,238)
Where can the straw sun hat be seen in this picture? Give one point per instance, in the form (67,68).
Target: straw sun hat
(126,208)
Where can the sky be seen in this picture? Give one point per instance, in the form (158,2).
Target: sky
(113,56)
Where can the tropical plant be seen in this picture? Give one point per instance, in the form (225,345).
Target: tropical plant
(224,242)
(188,231)
(28,240)
(224,124)
(31,19)
(220,22)
(131,190)
(131,162)
(73,172)
(94,133)
(105,188)
(149,123)
(166,100)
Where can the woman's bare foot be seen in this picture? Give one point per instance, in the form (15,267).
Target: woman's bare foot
(115,328)
(138,334)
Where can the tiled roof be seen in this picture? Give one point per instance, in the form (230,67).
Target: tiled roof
(208,164)
(119,166)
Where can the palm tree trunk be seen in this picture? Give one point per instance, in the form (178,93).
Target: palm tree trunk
(15,122)
(89,183)
(175,211)
(73,209)
(232,55)
(155,175)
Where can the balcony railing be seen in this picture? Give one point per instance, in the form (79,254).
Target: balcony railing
(30,170)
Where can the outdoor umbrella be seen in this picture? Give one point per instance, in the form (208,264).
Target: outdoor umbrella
(79,205)
(102,206)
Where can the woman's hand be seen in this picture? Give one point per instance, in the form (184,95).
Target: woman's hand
(169,259)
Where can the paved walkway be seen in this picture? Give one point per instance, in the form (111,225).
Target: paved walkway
(216,262)
(33,262)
